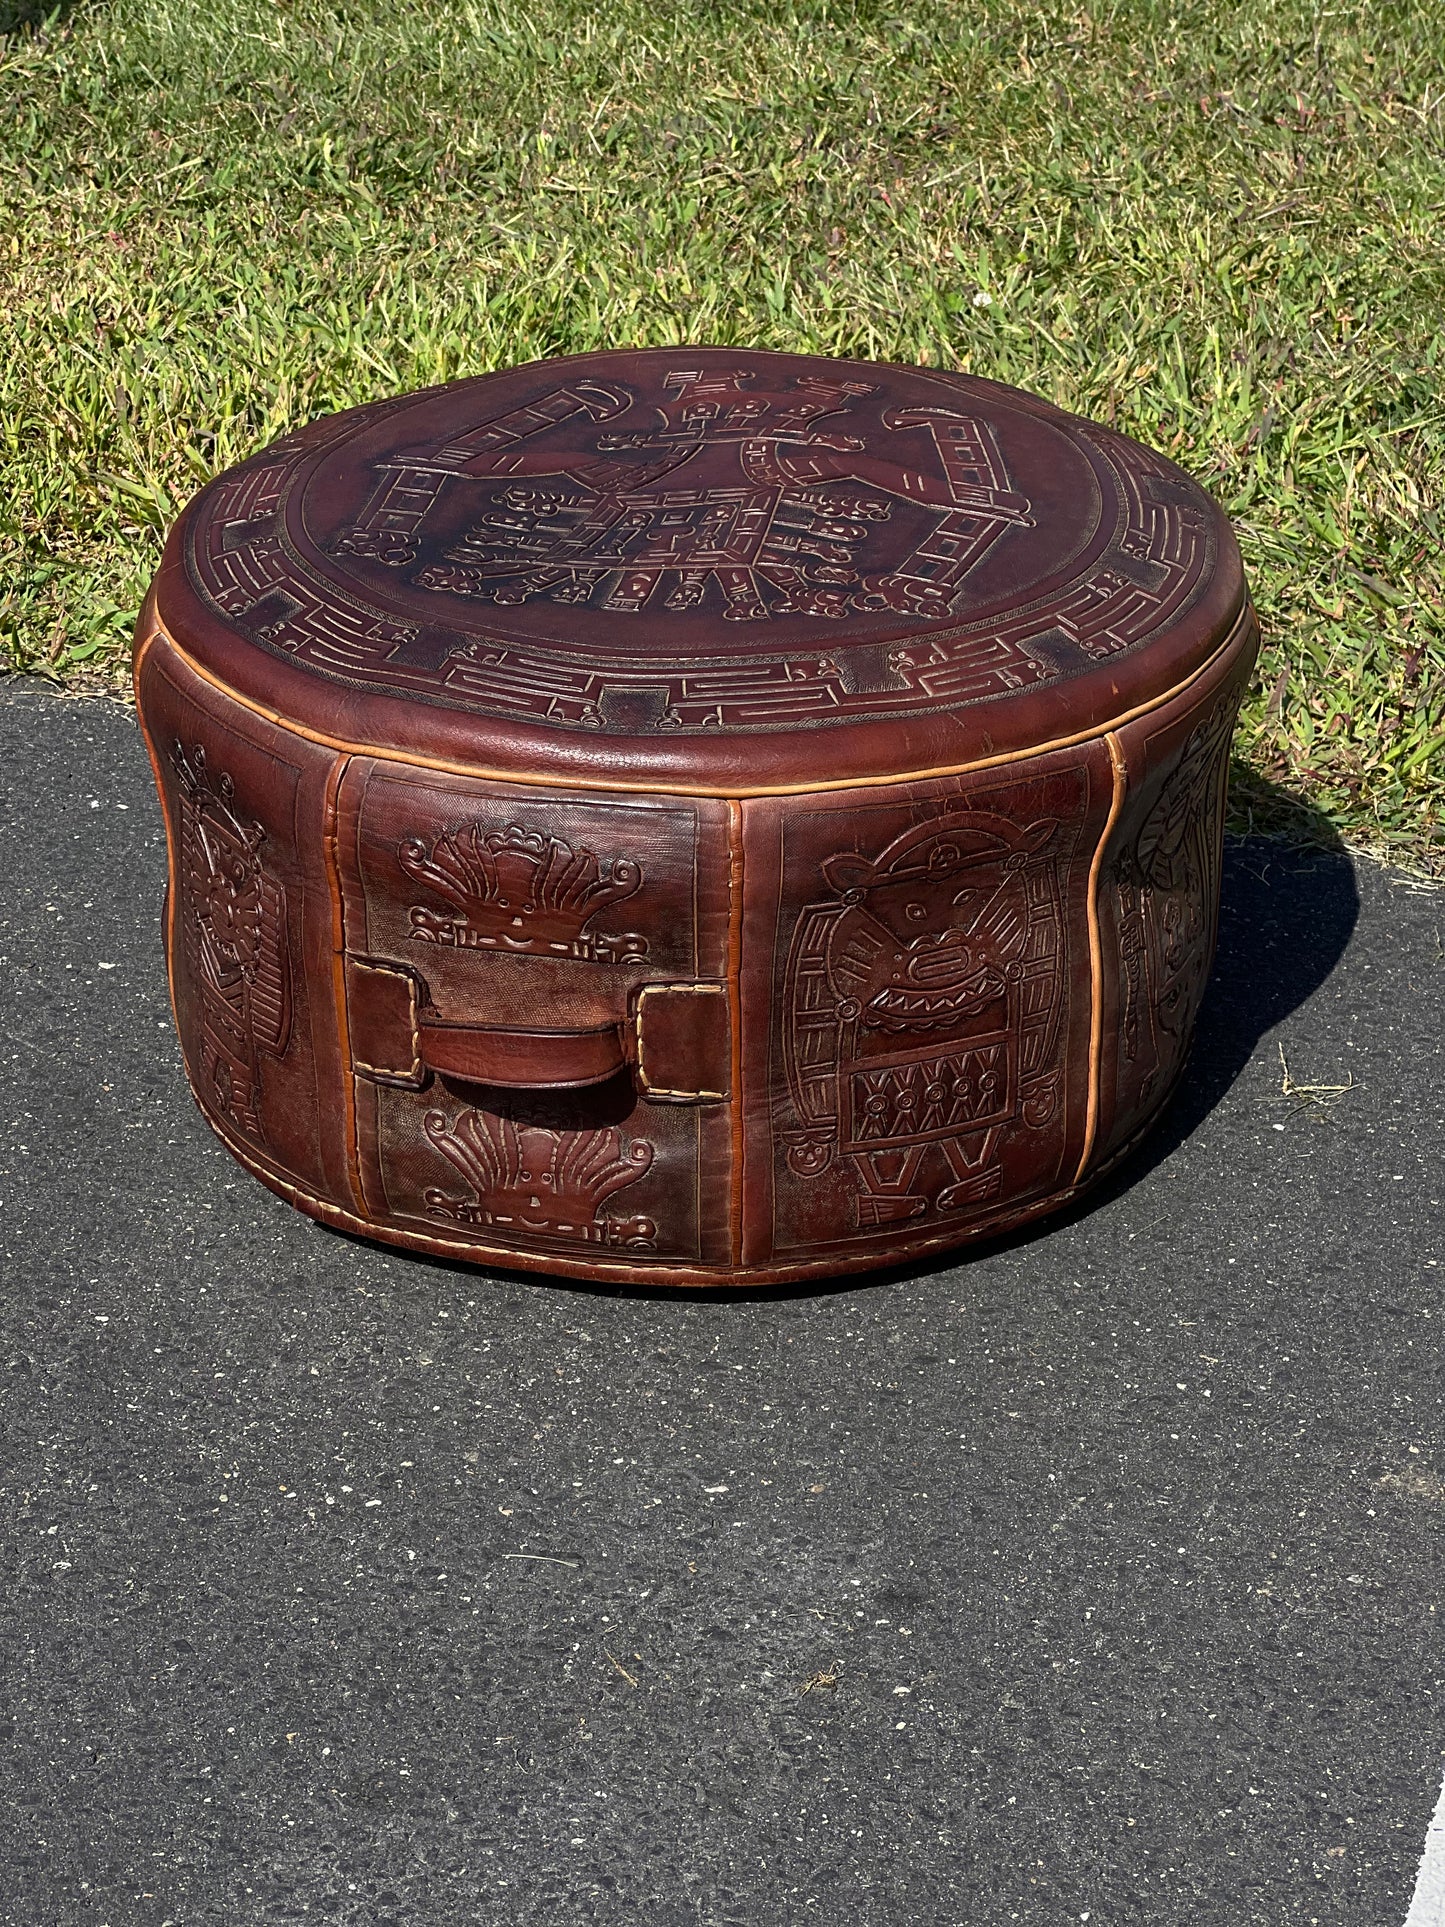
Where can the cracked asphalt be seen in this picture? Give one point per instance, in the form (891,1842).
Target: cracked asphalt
(1094,1578)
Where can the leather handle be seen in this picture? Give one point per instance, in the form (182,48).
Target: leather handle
(674,1040)
(531,1060)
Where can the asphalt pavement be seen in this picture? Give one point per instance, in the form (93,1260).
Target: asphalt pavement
(1096,1577)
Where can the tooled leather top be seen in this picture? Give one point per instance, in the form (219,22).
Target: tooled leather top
(714,567)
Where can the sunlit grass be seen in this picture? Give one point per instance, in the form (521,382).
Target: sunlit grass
(1216,225)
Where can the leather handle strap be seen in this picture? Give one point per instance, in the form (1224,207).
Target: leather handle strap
(675,1038)
(530,1060)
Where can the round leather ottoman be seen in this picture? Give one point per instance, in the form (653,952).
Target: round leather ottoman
(696,815)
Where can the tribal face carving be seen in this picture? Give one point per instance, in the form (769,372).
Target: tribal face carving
(531,1178)
(232,915)
(947,922)
(520,890)
(922,1011)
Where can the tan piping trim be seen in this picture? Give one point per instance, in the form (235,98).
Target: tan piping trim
(681,785)
(138,655)
(735,1018)
(1096,954)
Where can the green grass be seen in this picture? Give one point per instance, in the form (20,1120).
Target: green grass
(1215,224)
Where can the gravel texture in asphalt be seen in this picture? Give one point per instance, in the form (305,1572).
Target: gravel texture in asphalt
(1093,1578)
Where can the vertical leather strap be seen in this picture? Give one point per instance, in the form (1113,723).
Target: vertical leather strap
(684,1047)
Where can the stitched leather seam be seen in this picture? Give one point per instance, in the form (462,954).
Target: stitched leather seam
(331,851)
(737,1118)
(1096,953)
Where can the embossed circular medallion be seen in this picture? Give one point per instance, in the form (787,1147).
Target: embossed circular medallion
(702,539)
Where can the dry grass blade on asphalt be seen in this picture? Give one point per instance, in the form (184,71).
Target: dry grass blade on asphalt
(1317,1097)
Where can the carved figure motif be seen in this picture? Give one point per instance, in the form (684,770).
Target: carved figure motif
(530,1179)
(922,1011)
(232,917)
(675,518)
(738,492)
(1165,884)
(520,890)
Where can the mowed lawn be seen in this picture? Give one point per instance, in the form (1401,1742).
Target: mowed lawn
(1217,225)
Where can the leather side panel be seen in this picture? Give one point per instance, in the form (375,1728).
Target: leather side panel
(249,921)
(523,908)
(917,1006)
(1159,894)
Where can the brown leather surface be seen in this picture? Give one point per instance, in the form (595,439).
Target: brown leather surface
(703,567)
(243,899)
(383,1006)
(810,1012)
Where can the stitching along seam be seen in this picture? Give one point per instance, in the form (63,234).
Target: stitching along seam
(649,1089)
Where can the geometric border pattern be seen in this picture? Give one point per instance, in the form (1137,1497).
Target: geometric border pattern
(244,566)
